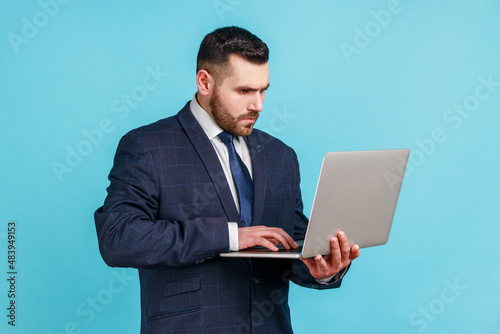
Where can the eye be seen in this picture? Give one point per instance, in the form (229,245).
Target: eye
(243,91)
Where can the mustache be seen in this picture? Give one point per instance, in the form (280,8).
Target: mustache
(253,114)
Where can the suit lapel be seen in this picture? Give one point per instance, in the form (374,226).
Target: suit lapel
(209,158)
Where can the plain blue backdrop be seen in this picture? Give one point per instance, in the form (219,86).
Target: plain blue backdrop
(345,75)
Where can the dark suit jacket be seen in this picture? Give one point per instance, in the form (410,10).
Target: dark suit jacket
(166,214)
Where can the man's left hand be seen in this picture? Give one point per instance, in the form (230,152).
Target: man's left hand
(342,254)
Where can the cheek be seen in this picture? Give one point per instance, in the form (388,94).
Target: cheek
(237,105)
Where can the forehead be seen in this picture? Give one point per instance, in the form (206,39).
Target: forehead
(246,73)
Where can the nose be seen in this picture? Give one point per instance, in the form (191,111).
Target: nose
(257,103)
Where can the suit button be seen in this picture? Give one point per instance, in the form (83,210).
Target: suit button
(256,280)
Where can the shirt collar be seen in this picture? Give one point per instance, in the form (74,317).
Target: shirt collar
(208,124)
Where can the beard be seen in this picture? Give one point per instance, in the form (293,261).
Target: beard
(227,121)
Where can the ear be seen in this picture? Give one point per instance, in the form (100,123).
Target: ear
(205,82)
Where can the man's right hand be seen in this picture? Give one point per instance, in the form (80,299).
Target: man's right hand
(264,236)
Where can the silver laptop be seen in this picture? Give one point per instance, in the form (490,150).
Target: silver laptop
(357,193)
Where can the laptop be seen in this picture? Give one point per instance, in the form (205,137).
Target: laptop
(357,193)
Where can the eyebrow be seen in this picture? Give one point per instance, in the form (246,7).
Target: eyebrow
(252,89)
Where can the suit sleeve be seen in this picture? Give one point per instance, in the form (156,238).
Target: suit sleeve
(128,230)
(300,273)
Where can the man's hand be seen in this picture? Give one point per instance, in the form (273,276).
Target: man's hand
(341,256)
(268,237)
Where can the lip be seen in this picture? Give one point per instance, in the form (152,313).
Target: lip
(250,120)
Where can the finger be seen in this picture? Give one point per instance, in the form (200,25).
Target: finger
(280,235)
(254,236)
(345,248)
(268,244)
(336,256)
(274,241)
(275,237)
(289,242)
(355,252)
(320,261)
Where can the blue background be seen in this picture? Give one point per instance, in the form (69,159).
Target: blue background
(345,75)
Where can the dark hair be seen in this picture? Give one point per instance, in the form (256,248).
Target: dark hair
(218,45)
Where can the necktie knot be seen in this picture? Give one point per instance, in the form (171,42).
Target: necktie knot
(226,137)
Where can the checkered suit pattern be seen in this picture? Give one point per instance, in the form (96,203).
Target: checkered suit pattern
(166,214)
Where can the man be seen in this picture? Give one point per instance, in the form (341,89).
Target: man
(182,190)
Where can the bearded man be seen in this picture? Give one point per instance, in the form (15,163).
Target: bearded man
(202,182)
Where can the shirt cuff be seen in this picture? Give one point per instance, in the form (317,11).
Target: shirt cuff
(328,280)
(233,237)
(325,280)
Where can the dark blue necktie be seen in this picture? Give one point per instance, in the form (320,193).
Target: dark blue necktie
(242,178)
